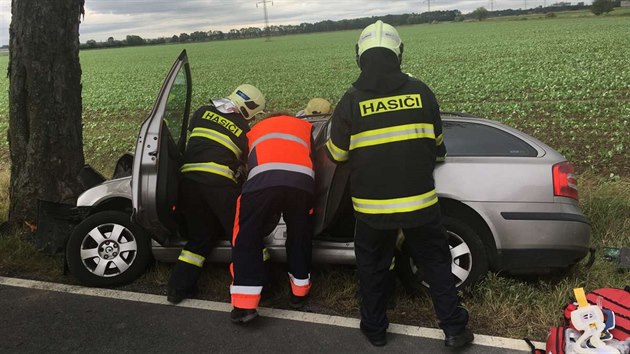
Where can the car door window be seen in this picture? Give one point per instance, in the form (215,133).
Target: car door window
(474,139)
(175,111)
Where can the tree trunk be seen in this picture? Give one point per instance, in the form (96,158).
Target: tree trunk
(45,137)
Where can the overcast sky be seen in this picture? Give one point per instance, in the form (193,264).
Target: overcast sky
(163,18)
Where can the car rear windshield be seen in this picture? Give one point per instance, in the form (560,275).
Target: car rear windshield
(474,139)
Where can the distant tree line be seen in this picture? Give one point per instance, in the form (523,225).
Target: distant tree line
(329,25)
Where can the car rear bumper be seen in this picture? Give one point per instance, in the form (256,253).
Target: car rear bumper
(531,236)
(534,261)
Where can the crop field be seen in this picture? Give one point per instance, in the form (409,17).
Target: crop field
(566,81)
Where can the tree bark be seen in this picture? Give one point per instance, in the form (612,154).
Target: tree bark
(45,136)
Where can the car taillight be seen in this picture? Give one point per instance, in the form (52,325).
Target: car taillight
(564,181)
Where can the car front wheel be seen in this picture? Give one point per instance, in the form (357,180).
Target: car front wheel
(108,249)
(469,260)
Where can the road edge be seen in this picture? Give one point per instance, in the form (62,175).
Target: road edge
(413,331)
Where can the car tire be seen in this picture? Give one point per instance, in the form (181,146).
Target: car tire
(108,249)
(470,263)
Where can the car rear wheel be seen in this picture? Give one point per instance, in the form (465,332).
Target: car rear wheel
(469,263)
(108,249)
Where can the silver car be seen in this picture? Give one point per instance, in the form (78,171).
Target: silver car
(509,202)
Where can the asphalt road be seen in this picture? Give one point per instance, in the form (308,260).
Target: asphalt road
(37,321)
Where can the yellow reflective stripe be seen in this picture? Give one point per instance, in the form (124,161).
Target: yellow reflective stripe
(192,258)
(336,153)
(440,158)
(218,137)
(391,134)
(266,255)
(209,167)
(439,139)
(396,205)
(400,238)
(393,265)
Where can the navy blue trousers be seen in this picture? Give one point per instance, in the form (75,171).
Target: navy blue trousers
(428,245)
(255,210)
(206,214)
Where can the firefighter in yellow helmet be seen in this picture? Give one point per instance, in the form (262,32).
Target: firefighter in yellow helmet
(387,126)
(315,106)
(212,176)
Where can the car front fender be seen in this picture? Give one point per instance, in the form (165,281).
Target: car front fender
(116,188)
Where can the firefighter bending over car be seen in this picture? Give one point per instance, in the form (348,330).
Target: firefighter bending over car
(214,163)
(280,180)
(387,126)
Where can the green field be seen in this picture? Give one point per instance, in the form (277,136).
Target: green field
(563,80)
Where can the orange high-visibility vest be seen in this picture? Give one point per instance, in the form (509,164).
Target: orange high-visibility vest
(280,154)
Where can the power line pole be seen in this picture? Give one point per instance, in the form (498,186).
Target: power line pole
(428,4)
(264,2)
(491,5)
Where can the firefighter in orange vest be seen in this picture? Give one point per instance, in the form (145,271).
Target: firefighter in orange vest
(387,126)
(280,180)
(214,158)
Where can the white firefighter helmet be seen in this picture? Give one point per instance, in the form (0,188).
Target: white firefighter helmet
(379,34)
(249,100)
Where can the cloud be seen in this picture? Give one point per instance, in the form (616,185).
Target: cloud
(163,18)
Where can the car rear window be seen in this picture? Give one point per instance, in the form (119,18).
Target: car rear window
(474,139)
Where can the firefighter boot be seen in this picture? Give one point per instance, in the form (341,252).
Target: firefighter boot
(296,302)
(459,340)
(240,315)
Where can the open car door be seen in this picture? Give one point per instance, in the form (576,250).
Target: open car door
(331,183)
(159,153)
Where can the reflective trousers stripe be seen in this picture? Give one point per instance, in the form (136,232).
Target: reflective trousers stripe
(282,136)
(439,139)
(397,205)
(245,297)
(281,166)
(245,289)
(209,167)
(300,287)
(391,134)
(217,137)
(192,258)
(265,254)
(337,153)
